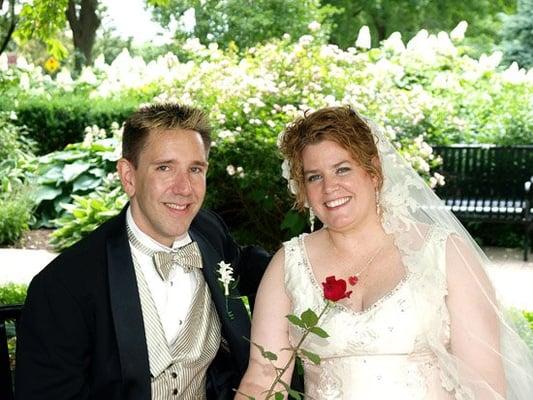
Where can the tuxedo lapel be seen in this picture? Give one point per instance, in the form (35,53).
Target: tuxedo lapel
(127,315)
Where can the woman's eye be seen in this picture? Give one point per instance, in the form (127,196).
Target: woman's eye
(343,170)
(313,178)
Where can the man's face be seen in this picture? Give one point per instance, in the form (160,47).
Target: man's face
(167,188)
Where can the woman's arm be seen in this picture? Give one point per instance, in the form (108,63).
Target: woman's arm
(270,329)
(474,321)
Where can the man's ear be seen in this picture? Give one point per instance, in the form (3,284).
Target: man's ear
(126,172)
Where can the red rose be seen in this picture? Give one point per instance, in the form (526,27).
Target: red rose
(334,289)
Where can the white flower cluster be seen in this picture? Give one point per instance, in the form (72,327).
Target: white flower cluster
(225,272)
(232,170)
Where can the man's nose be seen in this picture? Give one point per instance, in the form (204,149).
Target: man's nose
(182,184)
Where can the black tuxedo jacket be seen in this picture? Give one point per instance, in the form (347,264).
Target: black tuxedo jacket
(81,333)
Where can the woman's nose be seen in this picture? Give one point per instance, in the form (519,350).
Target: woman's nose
(330,184)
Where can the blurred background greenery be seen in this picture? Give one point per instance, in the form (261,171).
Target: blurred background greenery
(427,72)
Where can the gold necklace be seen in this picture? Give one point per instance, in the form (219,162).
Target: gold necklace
(353,279)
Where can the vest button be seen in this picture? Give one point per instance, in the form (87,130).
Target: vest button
(175,392)
(174,375)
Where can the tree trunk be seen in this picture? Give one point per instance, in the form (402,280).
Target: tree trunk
(12,24)
(84,22)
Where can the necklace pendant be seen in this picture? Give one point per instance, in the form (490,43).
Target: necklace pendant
(352,280)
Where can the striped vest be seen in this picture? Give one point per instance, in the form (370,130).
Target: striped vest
(177,371)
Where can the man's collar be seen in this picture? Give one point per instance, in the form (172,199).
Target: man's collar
(148,241)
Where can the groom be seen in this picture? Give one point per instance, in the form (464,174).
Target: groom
(136,310)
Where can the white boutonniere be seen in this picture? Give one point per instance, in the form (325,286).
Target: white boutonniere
(225,276)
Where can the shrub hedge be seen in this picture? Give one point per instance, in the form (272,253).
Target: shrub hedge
(55,122)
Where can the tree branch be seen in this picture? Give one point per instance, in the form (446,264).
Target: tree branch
(12,25)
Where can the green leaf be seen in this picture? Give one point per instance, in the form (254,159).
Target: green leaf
(46,193)
(294,222)
(52,175)
(278,396)
(293,319)
(265,353)
(269,355)
(72,171)
(85,182)
(314,358)
(319,332)
(309,318)
(294,394)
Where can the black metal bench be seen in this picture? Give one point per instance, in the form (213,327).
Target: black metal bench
(488,183)
(8,316)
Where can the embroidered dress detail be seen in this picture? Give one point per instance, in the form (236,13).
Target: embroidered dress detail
(380,352)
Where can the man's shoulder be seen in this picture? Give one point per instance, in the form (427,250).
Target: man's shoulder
(87,254)
(208,222)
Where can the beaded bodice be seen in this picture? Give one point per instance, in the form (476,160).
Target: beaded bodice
(374,353)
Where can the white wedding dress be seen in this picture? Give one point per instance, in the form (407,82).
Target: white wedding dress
(378,353)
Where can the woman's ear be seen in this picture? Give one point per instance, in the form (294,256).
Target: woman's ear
(376,177)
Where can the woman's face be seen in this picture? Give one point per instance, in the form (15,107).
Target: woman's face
(341,193)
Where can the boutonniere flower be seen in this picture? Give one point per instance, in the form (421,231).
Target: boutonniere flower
(225,276)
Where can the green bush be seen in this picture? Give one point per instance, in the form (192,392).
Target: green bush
(529,316)
(12,293)
(55,122)
(15,215)
(522,321)
(87,213)
(77,170)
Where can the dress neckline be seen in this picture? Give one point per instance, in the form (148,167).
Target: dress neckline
(340,306)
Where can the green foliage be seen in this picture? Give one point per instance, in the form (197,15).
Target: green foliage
(518,35)
(245,23)
(428,91)
(55,122)
(79,169)
(529,316)
(87,213)
(523,324)
(12,293)
(40,20)
(15,214)
(409,16)
(15,202)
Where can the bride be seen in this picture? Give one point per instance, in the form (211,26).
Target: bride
(423,320)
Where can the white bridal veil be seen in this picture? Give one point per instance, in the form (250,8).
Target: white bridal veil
(496,358)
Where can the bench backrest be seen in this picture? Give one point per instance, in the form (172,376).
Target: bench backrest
(8,315)
(492,172)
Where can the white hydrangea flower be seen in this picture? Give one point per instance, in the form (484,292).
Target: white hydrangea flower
(305,40)
(4,65)
(363,38)
(458,33)
(230,169)
(314,26)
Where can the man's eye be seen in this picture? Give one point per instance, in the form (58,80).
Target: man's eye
(197,170)
(163,168)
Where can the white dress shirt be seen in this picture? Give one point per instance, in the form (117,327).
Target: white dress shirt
(172,298)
